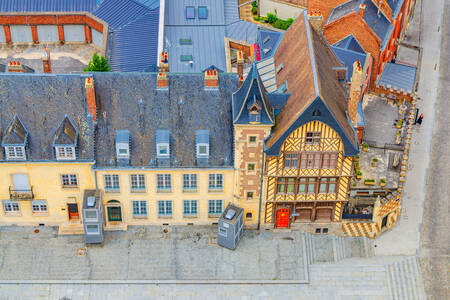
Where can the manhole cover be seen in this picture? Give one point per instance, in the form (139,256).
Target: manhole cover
(81,251)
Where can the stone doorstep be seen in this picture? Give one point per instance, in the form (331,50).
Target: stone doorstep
(71,229)
(118,227)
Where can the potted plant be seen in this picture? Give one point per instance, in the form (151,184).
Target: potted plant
(369,182)
(358,175)
(365,147)
(356,165)
(382,182)
(398,138)
(357,157)
(374,162)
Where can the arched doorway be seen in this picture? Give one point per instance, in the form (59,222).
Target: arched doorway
(114,210)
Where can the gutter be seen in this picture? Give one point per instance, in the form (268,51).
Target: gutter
(260,189)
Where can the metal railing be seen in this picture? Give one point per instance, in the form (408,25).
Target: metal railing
(15,194)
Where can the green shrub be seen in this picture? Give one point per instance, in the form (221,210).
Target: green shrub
(271,18)
(254,4)
(97,64)
(375,159)
(254,10)
(365,146)
(359,173)
(382,180)
(256,18)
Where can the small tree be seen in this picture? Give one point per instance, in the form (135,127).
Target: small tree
(97,64)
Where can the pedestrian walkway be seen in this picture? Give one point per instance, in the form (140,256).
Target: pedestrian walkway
(403,239)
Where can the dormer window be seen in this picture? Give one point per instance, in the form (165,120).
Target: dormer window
(123,144)
(15,139)
(65,153)
(162,143)
(254,111)
(65,140)
(202,143)
(15,153)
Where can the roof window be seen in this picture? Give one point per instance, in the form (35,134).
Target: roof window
(186,41)
(186,57)
(202,12)
(202,141)
(162,143)
(190,12)
(123,144)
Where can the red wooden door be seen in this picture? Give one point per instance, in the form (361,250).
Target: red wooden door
(283,217)
(73,211)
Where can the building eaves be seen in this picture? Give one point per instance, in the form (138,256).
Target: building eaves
(47,5)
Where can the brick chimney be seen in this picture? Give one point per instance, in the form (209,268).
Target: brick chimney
(355,92)
(362,8)
(164,62)
(211,78)
(46,63)
(14,66)
(240,67)
(315,18)
(90,97)
(162,80)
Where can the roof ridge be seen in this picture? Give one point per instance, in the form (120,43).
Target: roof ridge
(311,54)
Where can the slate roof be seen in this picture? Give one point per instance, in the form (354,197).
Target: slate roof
(206,35)
(343,9)
(398,76)
(377,21)
(268,42)
(133,40)
(42,102)
(66,134)
(308,63)
(47,5)
(15,133)
(131,101)
(253,92)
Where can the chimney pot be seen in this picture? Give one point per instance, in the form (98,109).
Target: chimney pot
(162,81)
(14,66)
(164,62)
(362,8)
(211,79)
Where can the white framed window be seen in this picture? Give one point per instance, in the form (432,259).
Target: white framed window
(139,208)
(90,215)
(164,182)
(165,208)
(111,182)
(65,153)
(92,229)
(137,182)
(190,182)
(11,206)
(69,180)
(122,151)
(190,207)
(162,150)
(215,182)
(214,207)
(39,206)
(202,150)
(15,152)
(313,137)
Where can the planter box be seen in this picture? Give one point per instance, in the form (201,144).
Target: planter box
(369,182)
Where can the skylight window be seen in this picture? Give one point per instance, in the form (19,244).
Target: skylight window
(186,57)
(185,41)
(202,12)
(190,12)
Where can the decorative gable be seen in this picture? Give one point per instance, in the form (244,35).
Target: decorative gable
(15,139)
(65,140)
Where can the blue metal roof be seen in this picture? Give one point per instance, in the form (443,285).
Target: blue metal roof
(268,42)
(118,13)
(47,5)
(377,21)
(348,50)
(343,9)
(134,47)
(175,12)
(398,76)
(360,118)
(242,31)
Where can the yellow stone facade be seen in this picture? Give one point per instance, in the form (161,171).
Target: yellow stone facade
(313,138)
(45,180)
(125,196)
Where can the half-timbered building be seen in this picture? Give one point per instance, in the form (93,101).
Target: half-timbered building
(310,150)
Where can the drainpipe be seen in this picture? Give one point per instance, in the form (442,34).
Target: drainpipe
(95,178)
(260,188)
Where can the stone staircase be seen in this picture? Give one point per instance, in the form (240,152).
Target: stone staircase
(329,248)
(404,280)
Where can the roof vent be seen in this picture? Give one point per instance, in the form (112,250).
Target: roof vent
(230,214)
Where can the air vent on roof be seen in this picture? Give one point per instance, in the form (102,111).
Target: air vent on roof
(267,50)
(190,12)
(90,201)
(266,39)
(230,214)
(202,12)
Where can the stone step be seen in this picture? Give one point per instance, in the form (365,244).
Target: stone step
(404,280)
